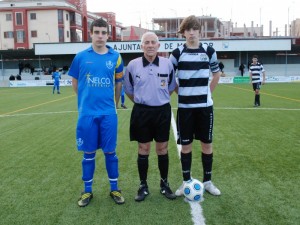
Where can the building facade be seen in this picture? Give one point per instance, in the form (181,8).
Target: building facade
(23,23)
(211,27)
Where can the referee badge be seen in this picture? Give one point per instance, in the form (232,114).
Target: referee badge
(163,83)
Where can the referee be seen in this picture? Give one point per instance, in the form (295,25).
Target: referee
(149,81)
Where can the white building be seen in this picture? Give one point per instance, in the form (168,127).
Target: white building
(23,23)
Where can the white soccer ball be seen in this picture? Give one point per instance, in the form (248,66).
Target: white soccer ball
(193,190)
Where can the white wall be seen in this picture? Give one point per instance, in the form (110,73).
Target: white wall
(271,69)
(6,43)
(46,24)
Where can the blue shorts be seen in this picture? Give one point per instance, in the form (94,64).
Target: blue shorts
(95,132)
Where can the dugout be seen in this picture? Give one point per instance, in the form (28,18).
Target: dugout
(281,55)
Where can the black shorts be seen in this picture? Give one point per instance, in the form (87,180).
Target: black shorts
(195,123)
(150,122)
(256,86)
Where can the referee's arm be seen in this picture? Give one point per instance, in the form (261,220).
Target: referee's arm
(131,97)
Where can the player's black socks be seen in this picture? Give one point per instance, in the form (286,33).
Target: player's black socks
(143,164)
(207,160)
(163,165)
(186,163)
(256,101)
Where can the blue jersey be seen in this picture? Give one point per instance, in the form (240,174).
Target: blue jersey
(96,75)
(56,76)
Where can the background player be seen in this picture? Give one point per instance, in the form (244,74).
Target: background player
(56,77)
(257,78)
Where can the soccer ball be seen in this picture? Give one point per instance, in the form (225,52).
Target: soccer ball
(193,190)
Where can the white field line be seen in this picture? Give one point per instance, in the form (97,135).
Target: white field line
(32,114)
(196,209)
(175,134)
(174,128)
(256,108)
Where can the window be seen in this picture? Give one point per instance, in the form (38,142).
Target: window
(67,17)
(68,34)
(89,23)
(61,34)
(60,16)
(9,34)
(8,17)
(76,35)
(72,18)
(33,16)
(79,35)
(19,19)
(33,33)
(20,36)
(78,19)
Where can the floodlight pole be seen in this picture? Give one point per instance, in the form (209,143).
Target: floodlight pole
(286,61)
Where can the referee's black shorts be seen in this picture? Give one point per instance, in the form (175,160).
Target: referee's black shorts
(150,122)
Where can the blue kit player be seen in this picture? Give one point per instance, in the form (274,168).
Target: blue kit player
(97,75)
(56,77)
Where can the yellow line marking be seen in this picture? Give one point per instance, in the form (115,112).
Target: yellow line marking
(277,96)
(34,106)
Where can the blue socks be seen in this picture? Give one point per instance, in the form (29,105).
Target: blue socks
(111,162)
(122,99)
(88,169)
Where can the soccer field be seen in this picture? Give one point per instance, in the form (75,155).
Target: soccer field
(256,162)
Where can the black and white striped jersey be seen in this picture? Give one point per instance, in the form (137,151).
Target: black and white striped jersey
(193,70)
(256,70)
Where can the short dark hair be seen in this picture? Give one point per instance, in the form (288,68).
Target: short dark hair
(188,23)
(255,56)
(98,23)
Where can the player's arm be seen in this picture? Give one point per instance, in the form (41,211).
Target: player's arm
(215,80)
(118,79)
(216,71)
(172,84)
(118,88)
(250,76)
(264,77)
(131,97)
(128,83)
(75,85)
(174,60)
